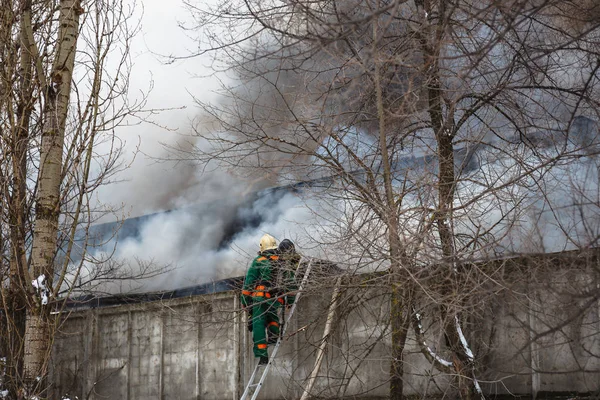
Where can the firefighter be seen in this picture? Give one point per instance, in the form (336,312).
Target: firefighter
(287,265)
(258,298)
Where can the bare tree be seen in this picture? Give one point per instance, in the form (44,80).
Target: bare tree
(62,94)
(445,125)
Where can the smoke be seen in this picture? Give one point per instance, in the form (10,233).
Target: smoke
(511,201)
(210,240)
(533,194)
(207,217)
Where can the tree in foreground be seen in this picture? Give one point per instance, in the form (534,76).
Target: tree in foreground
(455,132)
(64,69)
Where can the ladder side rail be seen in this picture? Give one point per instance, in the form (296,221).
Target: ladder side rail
(261,381)
(250,382)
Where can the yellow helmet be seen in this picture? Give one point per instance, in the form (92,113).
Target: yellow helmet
(267,242)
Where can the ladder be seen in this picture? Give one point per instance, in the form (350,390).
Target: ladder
(253,387)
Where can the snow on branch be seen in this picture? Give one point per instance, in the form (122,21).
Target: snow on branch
(469,354)
(440,363)
(432,357)
(463,340)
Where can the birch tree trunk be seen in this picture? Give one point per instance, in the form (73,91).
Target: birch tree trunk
(18,200)
(45,233)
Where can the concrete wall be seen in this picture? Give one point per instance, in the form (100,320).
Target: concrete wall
(183,349)
(198,348)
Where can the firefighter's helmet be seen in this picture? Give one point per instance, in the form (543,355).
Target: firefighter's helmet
(267,242)
(286,246)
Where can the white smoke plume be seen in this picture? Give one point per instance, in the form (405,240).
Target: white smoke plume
(212,232)
(214,220)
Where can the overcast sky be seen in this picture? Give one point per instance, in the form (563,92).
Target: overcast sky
(148,186)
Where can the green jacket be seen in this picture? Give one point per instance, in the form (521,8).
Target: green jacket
(264,271)
(259,274)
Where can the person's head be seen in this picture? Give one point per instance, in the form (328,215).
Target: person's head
(267,242)
(286,246)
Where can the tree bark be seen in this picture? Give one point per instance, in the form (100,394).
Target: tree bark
(400,322)
(399,308)
(45,233)
(17,216)
(431,41)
